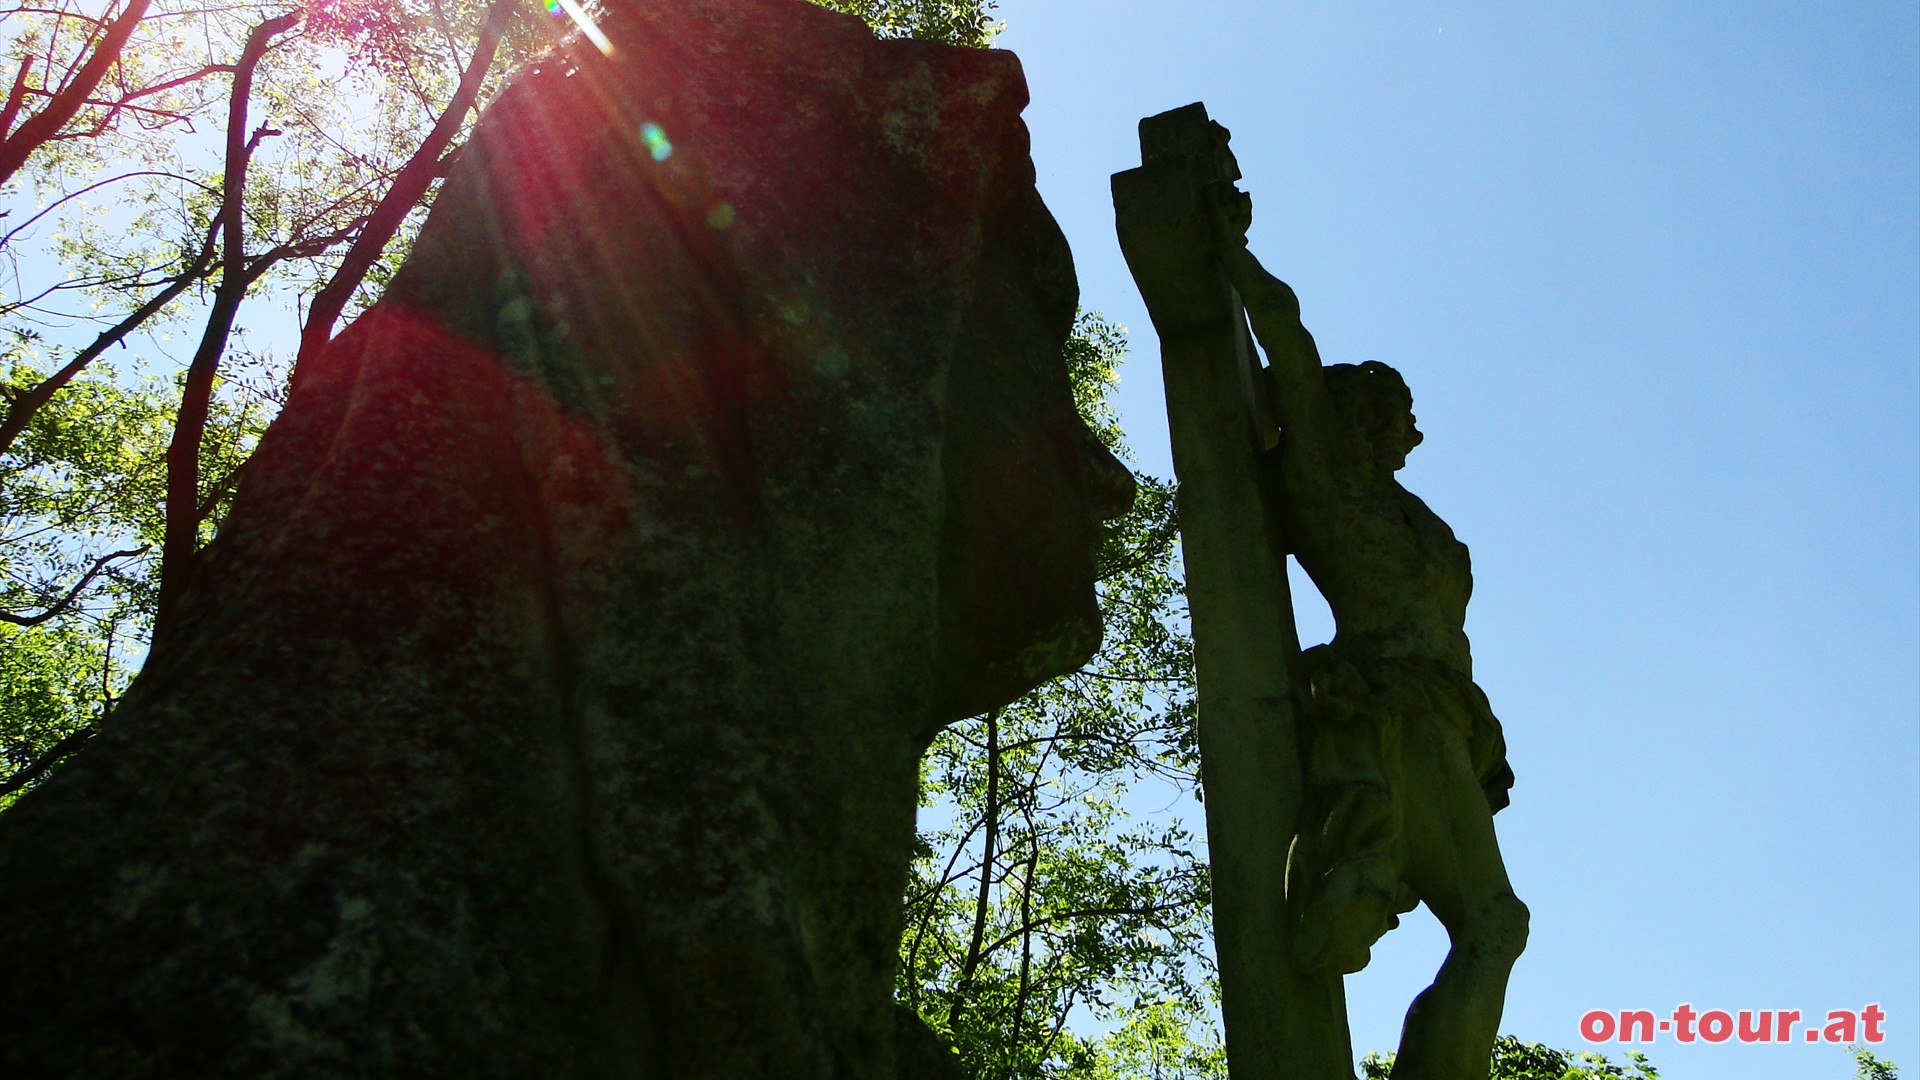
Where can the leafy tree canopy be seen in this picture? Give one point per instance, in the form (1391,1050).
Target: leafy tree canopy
(1517,1059)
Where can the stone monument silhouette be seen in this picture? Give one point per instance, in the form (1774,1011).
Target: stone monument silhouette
(1351,781)
(551,703)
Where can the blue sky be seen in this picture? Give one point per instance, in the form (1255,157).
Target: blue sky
(1653,273)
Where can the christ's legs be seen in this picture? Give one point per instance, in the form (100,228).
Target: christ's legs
(1453,865)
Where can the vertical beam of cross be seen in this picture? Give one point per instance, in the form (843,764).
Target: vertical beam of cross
(1280,1023)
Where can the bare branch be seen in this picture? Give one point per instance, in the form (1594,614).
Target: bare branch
(57,203)
(99,564)
(982,902)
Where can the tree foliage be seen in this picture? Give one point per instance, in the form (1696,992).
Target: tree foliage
(953,22)
(1517,1059)
(1869,1066)
(1057,894)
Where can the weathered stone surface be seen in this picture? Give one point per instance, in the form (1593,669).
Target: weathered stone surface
(550,704)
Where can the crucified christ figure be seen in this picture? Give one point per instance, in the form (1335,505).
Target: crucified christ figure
(1404,761)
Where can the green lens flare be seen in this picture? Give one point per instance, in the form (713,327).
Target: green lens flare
(656,140)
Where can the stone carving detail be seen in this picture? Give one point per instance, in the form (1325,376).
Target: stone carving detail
(550,704)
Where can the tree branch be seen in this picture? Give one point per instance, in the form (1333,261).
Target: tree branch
(1026,919)
(421,169)
(114,109)
(21,408)
(311,246)
(991,815)
(99,564)
(15,97)
(45,124)
(947,876)
(181,538)
(219,491)
(1027,927)
(182,80)
(96,185)
(45,761)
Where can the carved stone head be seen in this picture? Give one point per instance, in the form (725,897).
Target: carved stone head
(1373,402)
(550,703)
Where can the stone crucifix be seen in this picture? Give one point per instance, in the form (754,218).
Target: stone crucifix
(1350,782)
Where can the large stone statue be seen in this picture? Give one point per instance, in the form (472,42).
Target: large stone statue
(1404,763)
(550,704)
(1351,781)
